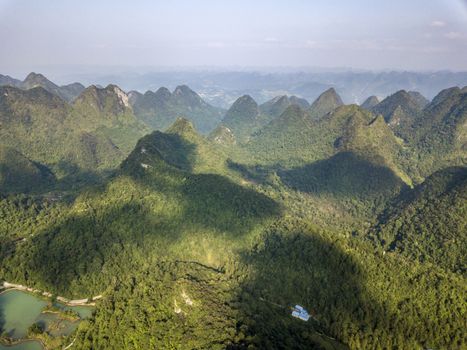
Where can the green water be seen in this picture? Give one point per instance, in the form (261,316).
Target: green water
(56,326)
(19,310)
(28,345)
(83,311)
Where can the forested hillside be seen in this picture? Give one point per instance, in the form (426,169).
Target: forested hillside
(95,132)
(201,242)
(429,223)
(161,108)
(67,92)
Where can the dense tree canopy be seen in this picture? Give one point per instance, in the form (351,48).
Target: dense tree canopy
(194,243)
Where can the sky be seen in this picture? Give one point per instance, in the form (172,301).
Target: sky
(361,34)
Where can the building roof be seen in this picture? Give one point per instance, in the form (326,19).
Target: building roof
(301,313)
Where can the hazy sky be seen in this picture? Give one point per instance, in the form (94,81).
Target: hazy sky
(369,34)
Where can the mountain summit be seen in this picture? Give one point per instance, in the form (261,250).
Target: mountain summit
(279,104)
(325,103)
(244,109)
(398,108)
(67,92)
(370,102)
(161,108)
(110,100)
(242,118)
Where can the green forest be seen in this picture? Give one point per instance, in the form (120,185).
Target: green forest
(208,242)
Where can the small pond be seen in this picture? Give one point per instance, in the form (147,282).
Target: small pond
(19,310)
(26,345)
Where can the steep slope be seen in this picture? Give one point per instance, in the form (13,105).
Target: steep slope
(33,123)
(38,80)
(276,106)
(133,96)
(223,136)
(370,102)
(439,135)
(7,80)
(348,158)
(181,147)
(95,132)
(161,108)
(294,137)
(429,223)
(194,260)
(301,102)
(71,91)
(286,137)
(186,254)
(399,110)
(111,101)
(19,174)
(444,94)
(107,113)
(421,100)
(325,103)
(67,92)
(243,118)
(375,141)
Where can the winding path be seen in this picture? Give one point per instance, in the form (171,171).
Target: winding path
(73,302)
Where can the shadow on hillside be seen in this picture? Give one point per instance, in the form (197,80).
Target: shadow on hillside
(171,148)
(19,174)
(256,173)
(345,174)
(289,268)
(76,178)
(140,213)
(295,264)
(72,179)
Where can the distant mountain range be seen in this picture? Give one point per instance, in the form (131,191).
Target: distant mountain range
(284,128)
(222,88)
(67,92)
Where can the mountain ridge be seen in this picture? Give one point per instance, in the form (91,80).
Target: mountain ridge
(67,92)
(161,108)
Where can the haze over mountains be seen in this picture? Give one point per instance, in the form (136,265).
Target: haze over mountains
(67,92)
(221,88)
(233,175)
(201,226)
(106,122)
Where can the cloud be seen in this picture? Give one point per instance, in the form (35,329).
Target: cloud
(453,35)
(438,24)
(271,40)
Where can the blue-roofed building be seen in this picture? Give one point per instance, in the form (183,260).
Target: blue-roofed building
(301,313)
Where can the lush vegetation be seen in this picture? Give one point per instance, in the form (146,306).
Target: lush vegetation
(427,223)
(325,103)
(19,174)
(161,108)
(278,105)
(244,117)
(67,92)
(96,132)
(198,243)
